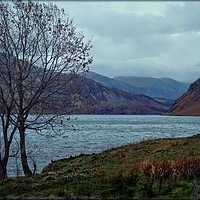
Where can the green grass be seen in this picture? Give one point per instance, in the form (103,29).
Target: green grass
(124,172)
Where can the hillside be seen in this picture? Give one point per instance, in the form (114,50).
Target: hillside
(74,94)
(164,90)
(95,98)
(189,102)
(158,169)
(85,96)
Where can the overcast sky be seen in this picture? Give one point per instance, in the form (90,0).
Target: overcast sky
(132,38)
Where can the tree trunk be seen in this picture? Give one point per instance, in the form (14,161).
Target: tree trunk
(24,160)
(4,160)
(3,170)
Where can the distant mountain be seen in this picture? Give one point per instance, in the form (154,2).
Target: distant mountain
(154,87)
(189,102)
(82,96)
(95,98)
(109,82)
(164,90)
(85,96)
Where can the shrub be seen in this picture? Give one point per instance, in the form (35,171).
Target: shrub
(158,172)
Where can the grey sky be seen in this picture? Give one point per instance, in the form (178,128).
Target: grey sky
(132,38)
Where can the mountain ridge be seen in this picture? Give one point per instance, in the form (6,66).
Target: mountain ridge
(164,90)
(104,100)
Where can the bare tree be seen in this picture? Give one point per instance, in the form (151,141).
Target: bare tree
(41,54)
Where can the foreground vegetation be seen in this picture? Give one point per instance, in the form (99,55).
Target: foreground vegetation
(164,168)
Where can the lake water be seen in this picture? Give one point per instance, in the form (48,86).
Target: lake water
(95,133)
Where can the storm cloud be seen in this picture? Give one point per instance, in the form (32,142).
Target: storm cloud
(158,39)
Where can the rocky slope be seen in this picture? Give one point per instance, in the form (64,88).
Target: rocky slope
(189,102)
(95,98)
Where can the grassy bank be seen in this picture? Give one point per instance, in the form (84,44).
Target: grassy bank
(164,168)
